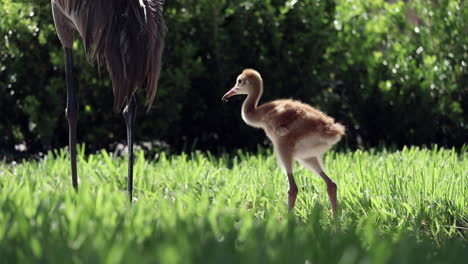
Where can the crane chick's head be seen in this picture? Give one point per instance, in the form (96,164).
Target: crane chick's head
(246,82)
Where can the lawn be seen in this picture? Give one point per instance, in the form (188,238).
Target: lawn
(407,206)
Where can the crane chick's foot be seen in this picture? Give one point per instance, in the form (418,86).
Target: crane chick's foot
(331,190)
(292,193)
(292,199)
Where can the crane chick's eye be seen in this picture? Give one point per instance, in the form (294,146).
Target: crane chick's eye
(239,81)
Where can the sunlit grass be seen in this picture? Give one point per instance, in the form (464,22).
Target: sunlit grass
(400,207)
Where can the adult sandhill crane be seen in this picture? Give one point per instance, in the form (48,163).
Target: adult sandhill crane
(129,36)
(297,130)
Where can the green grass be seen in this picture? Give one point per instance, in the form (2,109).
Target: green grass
(408,206)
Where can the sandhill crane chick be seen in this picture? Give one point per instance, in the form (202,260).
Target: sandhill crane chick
(297,131)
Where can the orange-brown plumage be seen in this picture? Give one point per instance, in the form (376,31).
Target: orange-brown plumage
(298,131)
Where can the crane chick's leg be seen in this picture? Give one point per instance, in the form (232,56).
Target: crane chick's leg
(71,112)
(315,163)
(285,157)
(292,193)
(129,114)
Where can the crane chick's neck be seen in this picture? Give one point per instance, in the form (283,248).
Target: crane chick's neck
(249,107)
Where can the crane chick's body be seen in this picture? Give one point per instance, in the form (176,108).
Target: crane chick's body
(297,130)
(306,130)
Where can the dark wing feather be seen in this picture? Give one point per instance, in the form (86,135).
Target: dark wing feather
(128,35)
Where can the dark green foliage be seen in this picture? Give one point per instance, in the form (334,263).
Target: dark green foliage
(390,79)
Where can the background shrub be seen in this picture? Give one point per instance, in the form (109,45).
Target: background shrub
(393,73)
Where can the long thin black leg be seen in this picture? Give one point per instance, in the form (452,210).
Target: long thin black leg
(71,113)
(129,115)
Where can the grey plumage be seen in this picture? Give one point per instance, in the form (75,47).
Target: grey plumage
(127,34)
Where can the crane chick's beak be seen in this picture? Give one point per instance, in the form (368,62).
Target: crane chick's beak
(231,92)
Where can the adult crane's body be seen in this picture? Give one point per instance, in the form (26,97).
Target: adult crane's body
(129,36)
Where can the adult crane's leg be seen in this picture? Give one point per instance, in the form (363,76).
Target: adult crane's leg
(71,112)
(129,115)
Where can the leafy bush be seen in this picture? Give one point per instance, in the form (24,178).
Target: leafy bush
(393,73)
(403,81)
